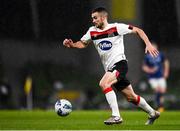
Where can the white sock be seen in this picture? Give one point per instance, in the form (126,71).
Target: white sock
(112,101)
(145,106)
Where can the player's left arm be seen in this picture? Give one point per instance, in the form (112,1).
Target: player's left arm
(149,47)
(166,68)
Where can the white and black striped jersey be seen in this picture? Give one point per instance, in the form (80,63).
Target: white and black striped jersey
(109,42)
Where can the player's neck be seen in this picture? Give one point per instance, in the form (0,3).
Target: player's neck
(104,25)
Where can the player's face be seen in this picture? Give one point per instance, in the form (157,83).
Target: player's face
(98,19)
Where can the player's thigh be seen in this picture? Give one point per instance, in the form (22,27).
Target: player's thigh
(153,83)
(162,85)
(158,84)
(108,79)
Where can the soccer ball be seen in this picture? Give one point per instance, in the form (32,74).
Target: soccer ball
(63,107)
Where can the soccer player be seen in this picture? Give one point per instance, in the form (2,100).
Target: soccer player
(108,40)
(157,70)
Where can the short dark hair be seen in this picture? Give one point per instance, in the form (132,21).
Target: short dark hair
(100,10)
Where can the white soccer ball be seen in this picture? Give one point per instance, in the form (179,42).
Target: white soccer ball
(63,107)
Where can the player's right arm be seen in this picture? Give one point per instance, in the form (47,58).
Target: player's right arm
(125,29)
(149,47)
(79,44)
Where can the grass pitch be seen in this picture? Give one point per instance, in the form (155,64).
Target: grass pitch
(84,120)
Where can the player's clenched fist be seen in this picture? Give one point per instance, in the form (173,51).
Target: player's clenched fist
(68,43)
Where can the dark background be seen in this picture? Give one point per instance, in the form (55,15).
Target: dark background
(31,35)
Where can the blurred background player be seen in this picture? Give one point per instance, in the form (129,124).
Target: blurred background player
(157,70)
(108,40)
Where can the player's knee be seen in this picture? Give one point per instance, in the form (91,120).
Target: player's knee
(104,85)
(101,84)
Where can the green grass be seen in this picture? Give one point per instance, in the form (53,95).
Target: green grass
(84,120)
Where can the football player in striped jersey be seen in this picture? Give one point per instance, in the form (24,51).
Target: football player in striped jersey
(108,40)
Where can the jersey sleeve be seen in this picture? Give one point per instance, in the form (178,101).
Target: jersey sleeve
(123,29)
(86,37)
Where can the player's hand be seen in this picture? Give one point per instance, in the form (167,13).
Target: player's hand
(68,43)
(151,50)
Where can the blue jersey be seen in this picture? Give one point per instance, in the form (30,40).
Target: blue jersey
(156,62)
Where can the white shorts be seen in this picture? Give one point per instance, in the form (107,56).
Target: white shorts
(158,83)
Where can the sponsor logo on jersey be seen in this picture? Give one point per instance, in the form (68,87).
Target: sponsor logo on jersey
(105,45)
